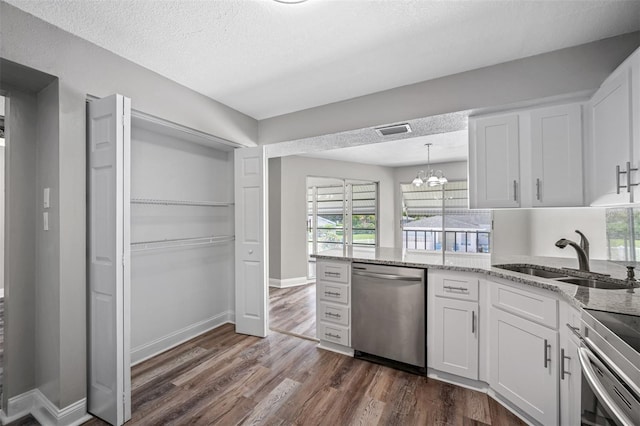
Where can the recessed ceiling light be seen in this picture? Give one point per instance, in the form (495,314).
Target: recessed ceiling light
(290,1)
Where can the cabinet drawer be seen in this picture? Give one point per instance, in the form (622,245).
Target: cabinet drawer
(334,333)
(529,305)
(329,271)
(454,285)
(333,292)
(333,313)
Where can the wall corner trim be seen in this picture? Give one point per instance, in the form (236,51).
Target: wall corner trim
(46,412)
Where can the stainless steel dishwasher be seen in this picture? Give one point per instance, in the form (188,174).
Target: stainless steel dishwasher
(389,314)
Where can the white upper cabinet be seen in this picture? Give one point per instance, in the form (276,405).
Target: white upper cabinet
(615,136)
(494,164)
(527,158)
(556,156)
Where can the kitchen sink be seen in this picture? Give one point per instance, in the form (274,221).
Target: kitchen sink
(586,282)
(542,273)
(567,277)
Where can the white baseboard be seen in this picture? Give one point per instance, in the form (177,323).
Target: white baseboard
(333,347)
(289,282)
(45,412)
(151,349)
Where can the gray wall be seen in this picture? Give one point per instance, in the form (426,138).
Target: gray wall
(48,347)
(20,275)
(292,256)
(275,218)
(564,71)
(85,69)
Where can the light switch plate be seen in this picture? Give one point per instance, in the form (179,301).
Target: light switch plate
(45,221)
(46,198)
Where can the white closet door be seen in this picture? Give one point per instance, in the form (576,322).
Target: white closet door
(250,219)
(109,371)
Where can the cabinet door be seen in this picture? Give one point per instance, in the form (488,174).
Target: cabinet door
(611,134)
(494,162)
(570,383)
(455,342)
(556,163)
(524,365)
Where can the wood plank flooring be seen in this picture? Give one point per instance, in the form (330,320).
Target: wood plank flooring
(293,310)
(227,379)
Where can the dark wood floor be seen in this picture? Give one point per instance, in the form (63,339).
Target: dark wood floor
(293,310)
(1,342)
(226,378)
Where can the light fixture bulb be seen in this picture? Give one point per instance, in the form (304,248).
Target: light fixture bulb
(417,181)
(443,180)
(433,180)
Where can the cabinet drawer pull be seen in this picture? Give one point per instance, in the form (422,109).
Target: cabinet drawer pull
(547,359)
(464,289)
(562,370)
(331,293)
(331,314)
(473,322)
(335,336)
(538,189)
(627,172)
(515,190)
(332,274)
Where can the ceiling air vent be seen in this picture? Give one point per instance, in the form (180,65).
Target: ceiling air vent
(395,129)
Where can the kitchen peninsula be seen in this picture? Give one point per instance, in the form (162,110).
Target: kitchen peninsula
(506,333)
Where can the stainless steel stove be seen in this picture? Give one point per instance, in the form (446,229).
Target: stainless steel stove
(609,356)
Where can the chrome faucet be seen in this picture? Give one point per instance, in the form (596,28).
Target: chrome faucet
(583,258)
(584,243)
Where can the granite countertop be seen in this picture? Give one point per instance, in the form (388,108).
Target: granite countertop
(619,301)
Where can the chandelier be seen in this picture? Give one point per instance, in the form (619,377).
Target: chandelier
(431,177)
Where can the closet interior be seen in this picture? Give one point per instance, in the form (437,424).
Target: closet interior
(182,252)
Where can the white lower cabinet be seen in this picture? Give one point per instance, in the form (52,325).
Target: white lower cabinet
(524,365)
(333,305)
(455,337)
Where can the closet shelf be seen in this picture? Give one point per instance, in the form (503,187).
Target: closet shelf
(181,242)
(151,201)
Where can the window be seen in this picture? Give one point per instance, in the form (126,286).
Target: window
(623,234)
(426,211)
(332,203)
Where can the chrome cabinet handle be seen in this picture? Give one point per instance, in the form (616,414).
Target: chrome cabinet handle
(547,359)
(629,170)
(515,190)
(448,287)
(335,336)
(332,274)
(562,370)
(626,172)
(331,293)
(473,322)
(331,314)
(538,189)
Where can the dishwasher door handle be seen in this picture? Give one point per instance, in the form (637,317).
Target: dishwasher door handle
(386,276)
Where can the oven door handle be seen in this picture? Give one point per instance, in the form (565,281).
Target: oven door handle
(586,357)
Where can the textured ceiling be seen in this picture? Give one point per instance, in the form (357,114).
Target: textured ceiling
(265,58)
(452,146)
